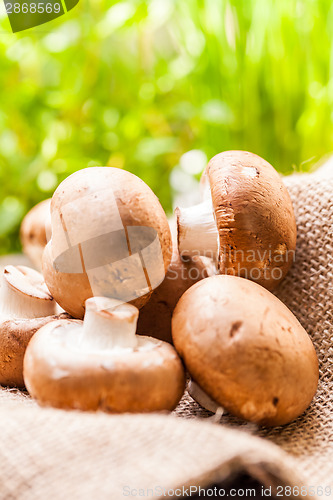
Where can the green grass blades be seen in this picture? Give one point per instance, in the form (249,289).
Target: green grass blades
(137,84)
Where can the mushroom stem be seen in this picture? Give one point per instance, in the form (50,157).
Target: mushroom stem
(109,324)
(197,231)
(24,295)
(202,398)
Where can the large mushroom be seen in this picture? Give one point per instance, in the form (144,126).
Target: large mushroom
(110,237)
(245,221)
(101,364)
(25,306)
(35,231)
(246,350)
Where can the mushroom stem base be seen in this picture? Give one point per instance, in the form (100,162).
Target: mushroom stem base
(109,324)
(197,231)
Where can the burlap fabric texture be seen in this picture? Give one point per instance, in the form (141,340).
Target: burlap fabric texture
(308,292)
(52,454)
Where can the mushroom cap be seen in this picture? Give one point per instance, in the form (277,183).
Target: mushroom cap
(15,336)
(34,232)
(58,373)
(246,349)
(155,317)
(110,236)
(16,331)
(254,217)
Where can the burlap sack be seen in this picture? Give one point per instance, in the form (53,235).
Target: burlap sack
(52,454)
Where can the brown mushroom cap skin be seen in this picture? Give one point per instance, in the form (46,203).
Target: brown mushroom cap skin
(15,336)
(71,289)
(254,216)
(32,298)
(34,230)
(140,381)
(155,316)
(246,350)
(137,205)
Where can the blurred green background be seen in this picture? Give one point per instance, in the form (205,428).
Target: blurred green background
(136,84)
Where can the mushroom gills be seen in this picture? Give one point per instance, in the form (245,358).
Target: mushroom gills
(24,295)
(25,306)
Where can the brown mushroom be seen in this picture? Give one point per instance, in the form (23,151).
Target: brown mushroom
(110,237)
(35,231)
(25,306)
(155,316)
(246,220)
(246,350)
(101,364)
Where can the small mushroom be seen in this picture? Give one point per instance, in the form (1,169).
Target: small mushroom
(110,237)
(25,306)
(181,275)
(246,220)
(35,230)
(246,350)
(101,364)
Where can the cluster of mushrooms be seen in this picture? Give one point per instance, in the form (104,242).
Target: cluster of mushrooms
(125,303)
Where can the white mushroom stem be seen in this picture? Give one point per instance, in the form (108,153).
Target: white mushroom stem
(202,398)
(23,294)
(109,324)
(197,231)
